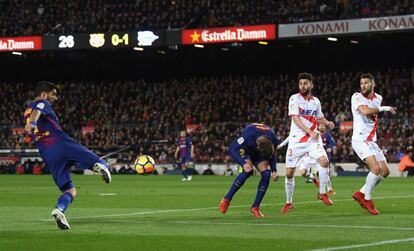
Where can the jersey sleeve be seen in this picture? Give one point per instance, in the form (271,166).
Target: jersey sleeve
(237,150)
(356,101)
(293,106)
(189,142)
(319,113)
(43,107)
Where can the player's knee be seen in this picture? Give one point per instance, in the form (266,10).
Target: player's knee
(385,172)
(303,172)
(72,192)
(324,162)
(290,172)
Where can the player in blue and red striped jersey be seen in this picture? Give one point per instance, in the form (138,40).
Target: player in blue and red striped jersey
(255,147)
(185,149)
(57,149)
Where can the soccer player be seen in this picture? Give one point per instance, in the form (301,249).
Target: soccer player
(186,150)
(305,111)
(255,147)
(57,149)
(365,106)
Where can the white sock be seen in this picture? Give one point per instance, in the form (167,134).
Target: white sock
(380,178)
(329,185)
(323,178)
(370,184)
(289,187)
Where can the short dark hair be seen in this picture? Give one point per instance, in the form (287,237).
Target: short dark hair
(368,76)
(305,75)
(265,146)
(44,86)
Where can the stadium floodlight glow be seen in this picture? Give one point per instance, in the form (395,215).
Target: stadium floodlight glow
(199,46)
(333,39)
(17,53)
(263,43)
(138,49)
(354,42)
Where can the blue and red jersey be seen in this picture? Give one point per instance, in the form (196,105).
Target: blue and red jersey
(185,147)
(48,131)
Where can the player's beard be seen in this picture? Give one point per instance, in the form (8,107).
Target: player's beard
(305,92)
(367,92)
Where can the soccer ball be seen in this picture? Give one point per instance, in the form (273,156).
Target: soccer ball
(144,164)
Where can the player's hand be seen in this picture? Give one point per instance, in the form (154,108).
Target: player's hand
(275,176)
(248,166)
(331,125)
(315,135)
(29,128)
(391,109)
(278,147)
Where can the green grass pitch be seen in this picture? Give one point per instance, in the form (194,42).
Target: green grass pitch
(164,213)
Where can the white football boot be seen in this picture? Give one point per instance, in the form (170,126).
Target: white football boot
(60,218)
(103,171)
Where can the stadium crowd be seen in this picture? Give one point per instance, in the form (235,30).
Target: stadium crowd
(151,114)
(38,17)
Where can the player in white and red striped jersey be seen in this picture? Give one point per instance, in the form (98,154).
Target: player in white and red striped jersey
(305,111)
(365,107)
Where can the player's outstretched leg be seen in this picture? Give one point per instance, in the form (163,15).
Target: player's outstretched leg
(238,182)
(102,167)
(261,191)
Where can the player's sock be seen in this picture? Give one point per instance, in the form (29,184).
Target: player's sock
(184,172)
(238,182)
(289,188)
(329,184)
(323,178)
(369,185)
(261,190)
(64,201)
(380,178)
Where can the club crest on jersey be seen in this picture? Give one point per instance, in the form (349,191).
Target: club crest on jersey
(307,112)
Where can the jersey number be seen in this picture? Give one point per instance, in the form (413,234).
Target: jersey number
(290,152)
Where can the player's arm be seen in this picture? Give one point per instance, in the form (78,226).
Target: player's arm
(176,152)
(285,142)
(326,122)
(32,121)
(237,152)
(366,111)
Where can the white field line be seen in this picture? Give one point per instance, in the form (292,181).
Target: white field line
(211,208)
(379,243)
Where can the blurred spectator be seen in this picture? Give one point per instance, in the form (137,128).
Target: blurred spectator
(208,171)
(37,170)
(406,162)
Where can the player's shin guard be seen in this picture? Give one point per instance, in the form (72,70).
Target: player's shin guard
(289,188)
(238,182)
(64,201)
(323,178)
(261,190)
